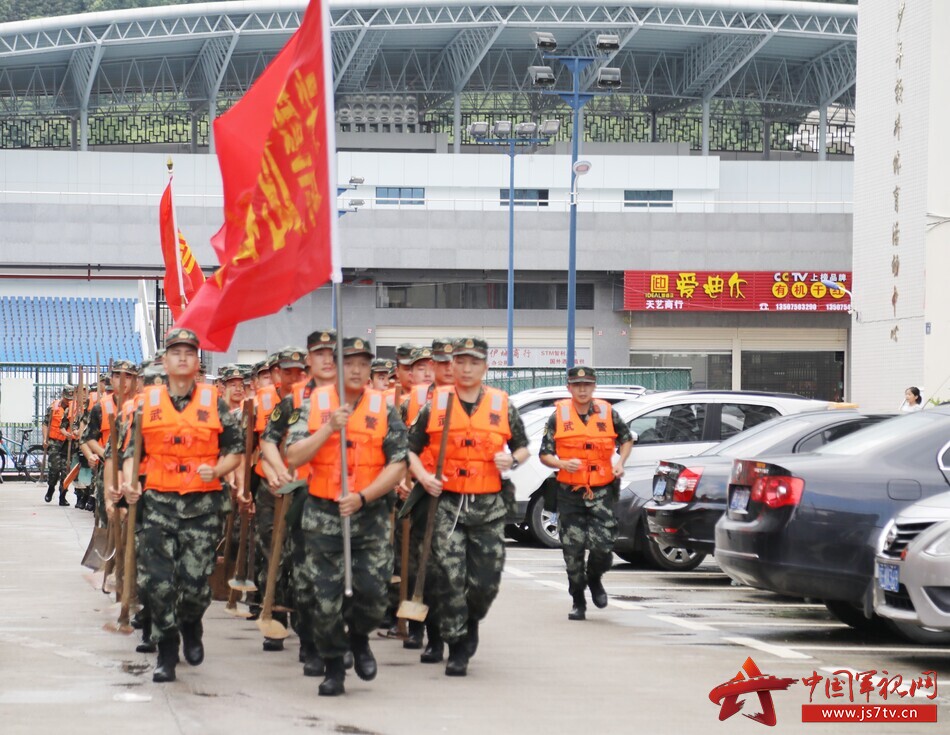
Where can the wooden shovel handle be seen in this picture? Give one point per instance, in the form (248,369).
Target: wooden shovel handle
(433,506)
(128,578)
(273,564)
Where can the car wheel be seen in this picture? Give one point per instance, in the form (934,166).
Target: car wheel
(672,558)
(919,634)
(853,616)
(543,523)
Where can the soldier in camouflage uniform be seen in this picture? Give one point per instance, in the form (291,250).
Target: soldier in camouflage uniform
(57,434)
(376,460)
(190,440)
(579,441)
(468,549)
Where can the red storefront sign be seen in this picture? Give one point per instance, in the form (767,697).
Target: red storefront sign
(729,290)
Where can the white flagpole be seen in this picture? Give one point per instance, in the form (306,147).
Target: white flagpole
(181,275)
(336,274)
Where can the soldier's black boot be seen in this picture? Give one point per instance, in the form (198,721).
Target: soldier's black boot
(579,610)
(191,644)
(414,639)
(332,686)
(307,649)
(62,497)
(457,664)
(273,644)
(80,501)
(147,645)
(312,665)
(434,651)
(167,660)
(49,493)
(597,592)
(364,663)
(471,641)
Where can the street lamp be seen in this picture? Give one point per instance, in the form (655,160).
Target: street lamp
(608,79)
(525,134)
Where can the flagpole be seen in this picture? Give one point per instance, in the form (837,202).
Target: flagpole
(181,276)
(336,277)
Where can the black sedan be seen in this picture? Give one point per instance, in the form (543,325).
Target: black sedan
(808,525)
(689,496)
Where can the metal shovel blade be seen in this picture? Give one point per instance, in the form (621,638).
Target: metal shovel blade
(242,585)
(271,628)
(123,628)
(237,612)
(413,610)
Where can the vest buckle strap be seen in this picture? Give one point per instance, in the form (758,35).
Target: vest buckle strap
(588,445)
(588,491)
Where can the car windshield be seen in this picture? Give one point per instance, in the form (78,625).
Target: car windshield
(875,437)
(757,440)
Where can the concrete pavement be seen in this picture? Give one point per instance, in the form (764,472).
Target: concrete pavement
(621,671)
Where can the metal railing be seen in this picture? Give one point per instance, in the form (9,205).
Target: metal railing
(513,380)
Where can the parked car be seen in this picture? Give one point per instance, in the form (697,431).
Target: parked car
(912,571)
(534,398)
(689,495)
(665,424)
(809,525)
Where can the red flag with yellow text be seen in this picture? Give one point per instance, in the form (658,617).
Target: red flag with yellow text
(275,149)
(183,277)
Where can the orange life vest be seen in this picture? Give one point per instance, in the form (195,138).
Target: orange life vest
(365,431)
(56,422)
(417,399)
(178,443)
(473,440)
(592,443)
(267,400)
(105,425)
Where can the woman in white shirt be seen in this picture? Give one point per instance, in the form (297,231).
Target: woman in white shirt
(912,400)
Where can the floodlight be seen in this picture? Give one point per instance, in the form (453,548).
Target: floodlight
(501,128)
(541,76)
(356,180)
(550,128)
(581,167)
(544,41)
(608,77)
(356,203)
(608,42)
(526,129)
(478,129)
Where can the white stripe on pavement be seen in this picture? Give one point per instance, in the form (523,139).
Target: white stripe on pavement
(780,651)
(683,622)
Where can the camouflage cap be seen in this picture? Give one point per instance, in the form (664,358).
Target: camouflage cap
(124,366)
(69,391)
(420,353)
(442,349)
(357,346)
(581,374)
(179,336)
(258,367)
(231,372)
(382,366)
(104,376)
(271,361)
(293,357)
(160,353)
(322,339)
(404,353)
(474,346)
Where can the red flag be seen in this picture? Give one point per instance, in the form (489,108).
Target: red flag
(183,277)
(275,149)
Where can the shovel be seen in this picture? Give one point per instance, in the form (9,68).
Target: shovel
(128,577)
(70,476)
(266,623)
(242,580)
(416,609)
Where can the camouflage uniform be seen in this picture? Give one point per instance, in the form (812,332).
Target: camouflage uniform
(468,546)
(177,537)
(92,431)
(372,555)
(586,523)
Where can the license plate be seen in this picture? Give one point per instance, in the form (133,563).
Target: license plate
(888,577)
(659,487)
(739,500)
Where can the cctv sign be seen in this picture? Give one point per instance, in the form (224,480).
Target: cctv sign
(730,290)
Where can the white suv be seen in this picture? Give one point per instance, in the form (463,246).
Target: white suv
(535,398)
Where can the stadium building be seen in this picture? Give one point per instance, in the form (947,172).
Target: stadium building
(720,191)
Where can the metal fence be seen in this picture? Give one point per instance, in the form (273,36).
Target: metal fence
(513,380)
(43,384)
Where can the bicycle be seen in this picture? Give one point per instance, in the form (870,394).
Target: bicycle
(28,460)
